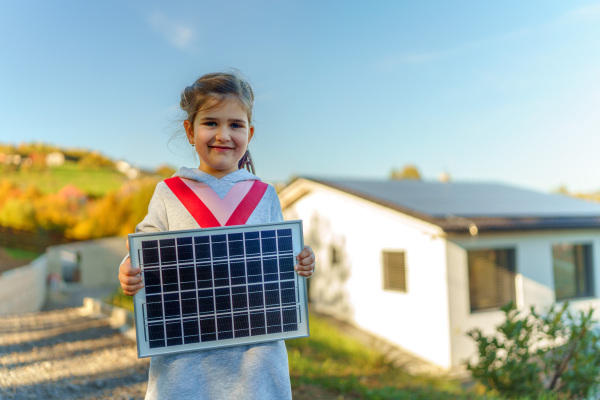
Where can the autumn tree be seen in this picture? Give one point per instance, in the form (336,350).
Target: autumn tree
(59,212)
(117,213)
(165,171)
(95,160)
(18,210)
(409,172)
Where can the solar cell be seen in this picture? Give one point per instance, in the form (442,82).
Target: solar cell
(217,287)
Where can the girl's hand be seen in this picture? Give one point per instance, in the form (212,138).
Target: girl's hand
(306,262)
(130,278)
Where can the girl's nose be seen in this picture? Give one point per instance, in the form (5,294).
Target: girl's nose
(222,134)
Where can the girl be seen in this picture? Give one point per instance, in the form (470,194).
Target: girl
(219,126)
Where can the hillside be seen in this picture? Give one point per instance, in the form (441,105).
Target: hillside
(50,195)
(50,168)
(95,182)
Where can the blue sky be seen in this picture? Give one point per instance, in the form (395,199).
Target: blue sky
(485,91)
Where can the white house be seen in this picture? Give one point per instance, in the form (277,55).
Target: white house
(421,263)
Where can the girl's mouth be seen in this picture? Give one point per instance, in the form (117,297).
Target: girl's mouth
(220,148)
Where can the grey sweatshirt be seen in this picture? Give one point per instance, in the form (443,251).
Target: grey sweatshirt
(242,372)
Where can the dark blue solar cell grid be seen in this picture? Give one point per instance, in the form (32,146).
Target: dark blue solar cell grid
(236,249)
(203,252)
(202,239)
(170,281)
(219,249)
(217,287)
(241,324)
(185,252)
(235,236)
(187,277)
(208,329)
(252,247)
(204,275)
(168,254)
(191,331)
(284,244)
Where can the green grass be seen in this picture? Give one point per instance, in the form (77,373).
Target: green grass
(17,254)
(95,182)
(120,299)
(340,365)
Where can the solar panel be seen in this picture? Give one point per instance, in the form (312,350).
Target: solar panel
(218,287)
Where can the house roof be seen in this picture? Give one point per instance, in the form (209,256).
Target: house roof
(457,206)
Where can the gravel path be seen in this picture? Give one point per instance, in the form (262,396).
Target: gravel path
(66,354)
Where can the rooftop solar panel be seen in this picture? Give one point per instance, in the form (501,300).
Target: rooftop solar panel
(218,287)
(467,199)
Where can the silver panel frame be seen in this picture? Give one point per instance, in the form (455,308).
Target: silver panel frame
(135,245)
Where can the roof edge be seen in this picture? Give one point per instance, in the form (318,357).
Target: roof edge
(459,224)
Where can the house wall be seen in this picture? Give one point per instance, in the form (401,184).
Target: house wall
(23,289)
(352,288)
(97,260)
(534,279)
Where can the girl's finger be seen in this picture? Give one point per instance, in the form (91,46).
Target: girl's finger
(307,260)
(131,288)
(130,280)
(128,270)
(302,268)
(306,251)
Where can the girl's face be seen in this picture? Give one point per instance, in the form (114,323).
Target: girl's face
(221,136)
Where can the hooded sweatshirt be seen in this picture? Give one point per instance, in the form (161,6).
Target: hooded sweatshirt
(257,371)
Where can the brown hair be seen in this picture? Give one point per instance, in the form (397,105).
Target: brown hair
(212,90)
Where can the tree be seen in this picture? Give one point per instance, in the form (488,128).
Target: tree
(409,172)
(117,213)
(18,214)
(165,171)
(95,160)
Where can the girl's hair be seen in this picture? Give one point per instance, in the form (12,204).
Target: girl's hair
(212,90)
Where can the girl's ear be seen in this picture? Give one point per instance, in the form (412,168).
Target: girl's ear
(189,130)
(250,133)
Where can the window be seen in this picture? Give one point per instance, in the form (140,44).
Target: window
(491,278)
(394,271)
(334,255)
(572,264)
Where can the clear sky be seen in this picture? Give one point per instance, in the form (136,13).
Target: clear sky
(484,90)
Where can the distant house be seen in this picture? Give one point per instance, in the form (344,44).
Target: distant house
(126,168)
(55,159)
(421,263)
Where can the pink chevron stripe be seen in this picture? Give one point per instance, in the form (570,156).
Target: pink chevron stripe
(248,204)
(192,203)
(221,208)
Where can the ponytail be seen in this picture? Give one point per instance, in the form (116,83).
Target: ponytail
(246,162)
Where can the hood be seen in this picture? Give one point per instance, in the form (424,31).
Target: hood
(201,176)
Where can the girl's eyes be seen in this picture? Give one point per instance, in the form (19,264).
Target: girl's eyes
(233,125)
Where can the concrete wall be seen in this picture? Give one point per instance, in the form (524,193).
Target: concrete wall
(352,288)
(98,260)
(534,281)
(23,289)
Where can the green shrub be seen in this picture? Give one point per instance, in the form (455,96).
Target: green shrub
(536,353)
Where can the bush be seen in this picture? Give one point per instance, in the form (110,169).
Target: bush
(528,355)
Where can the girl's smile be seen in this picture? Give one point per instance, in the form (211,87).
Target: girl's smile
(221,135)
(220,148)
